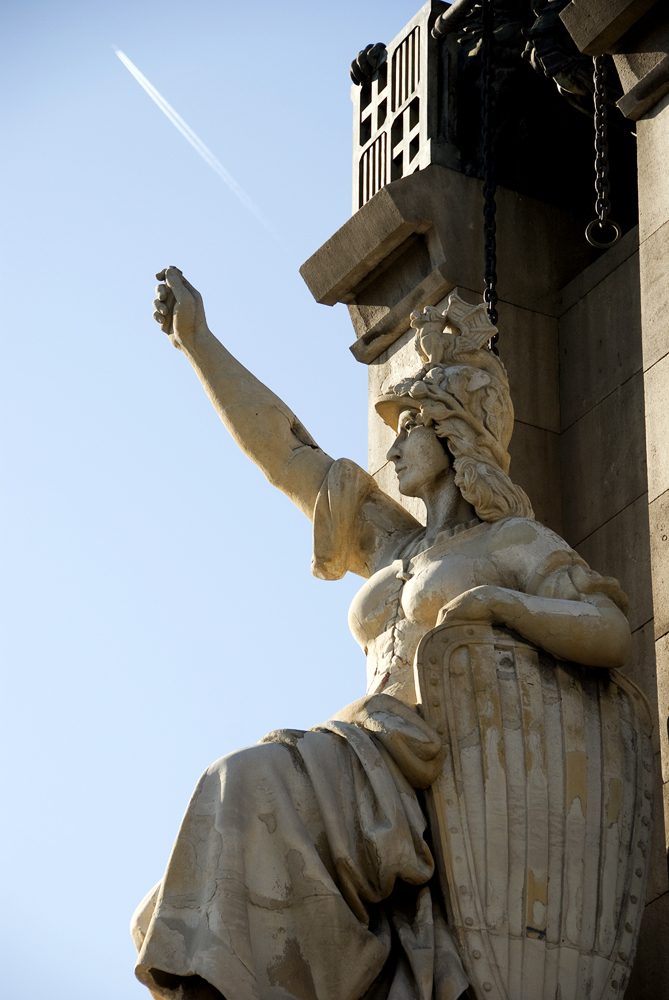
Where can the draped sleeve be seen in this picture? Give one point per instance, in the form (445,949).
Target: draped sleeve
(355,523)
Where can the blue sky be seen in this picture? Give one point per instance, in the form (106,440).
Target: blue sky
(157,605)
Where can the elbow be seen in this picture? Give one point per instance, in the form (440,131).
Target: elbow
(612,643)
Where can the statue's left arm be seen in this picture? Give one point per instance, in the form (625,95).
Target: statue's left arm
(539,586)
(590,629)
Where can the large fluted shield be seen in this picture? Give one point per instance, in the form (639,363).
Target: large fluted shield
(541,818)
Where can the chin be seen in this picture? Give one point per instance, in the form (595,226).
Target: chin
(406,489)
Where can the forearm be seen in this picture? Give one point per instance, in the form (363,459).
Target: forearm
(591,631)
(261,424)
(595,633)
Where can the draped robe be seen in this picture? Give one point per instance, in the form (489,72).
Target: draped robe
(302,869)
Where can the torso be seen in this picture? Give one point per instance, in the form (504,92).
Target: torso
(401,602)
(357,527)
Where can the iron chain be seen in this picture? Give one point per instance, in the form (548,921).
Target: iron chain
(489,180)
(602,185)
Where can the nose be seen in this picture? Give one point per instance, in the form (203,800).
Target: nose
(394,451)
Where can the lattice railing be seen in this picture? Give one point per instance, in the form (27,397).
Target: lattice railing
(402,118)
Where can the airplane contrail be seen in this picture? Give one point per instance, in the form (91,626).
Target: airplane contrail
(195,142)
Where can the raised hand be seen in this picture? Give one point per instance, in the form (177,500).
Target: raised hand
(261,424)
(178,308)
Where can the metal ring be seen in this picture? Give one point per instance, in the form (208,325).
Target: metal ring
(595,243)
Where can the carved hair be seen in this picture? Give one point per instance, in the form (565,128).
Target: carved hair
(463,392)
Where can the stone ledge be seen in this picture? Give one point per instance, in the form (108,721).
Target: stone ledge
(598,25)
(416,240)
(647,92)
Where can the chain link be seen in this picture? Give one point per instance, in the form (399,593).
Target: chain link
(489,180)
(602,185)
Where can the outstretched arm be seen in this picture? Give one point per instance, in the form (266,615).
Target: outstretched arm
(261,424)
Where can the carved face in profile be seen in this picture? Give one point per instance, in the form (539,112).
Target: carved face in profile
(418,455)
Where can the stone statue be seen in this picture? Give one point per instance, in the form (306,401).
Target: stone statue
(478,824)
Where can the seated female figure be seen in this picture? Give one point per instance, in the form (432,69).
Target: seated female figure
(303,867)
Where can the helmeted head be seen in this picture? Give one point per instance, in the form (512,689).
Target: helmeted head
(462,391)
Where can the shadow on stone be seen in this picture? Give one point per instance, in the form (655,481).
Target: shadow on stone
(185,987)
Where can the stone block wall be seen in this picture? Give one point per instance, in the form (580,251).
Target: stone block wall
(590,449)
(605,483)
(651,973)
(586,345)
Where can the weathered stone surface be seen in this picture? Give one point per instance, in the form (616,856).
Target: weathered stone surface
(633,67)
(640,668)
(643,64)
(596,272)
(653,257)
(662,681)
(546,821)
(600,341)
(602,454)
(528,346)
(658,516)
(658,875)
(656,392)
(653,159)
(480,559)
(621,548)
(651,967)
(645,94)
(535,465)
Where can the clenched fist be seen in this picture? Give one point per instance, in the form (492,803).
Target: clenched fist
(178,308)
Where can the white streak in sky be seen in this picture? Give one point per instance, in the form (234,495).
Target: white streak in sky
(195,141)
